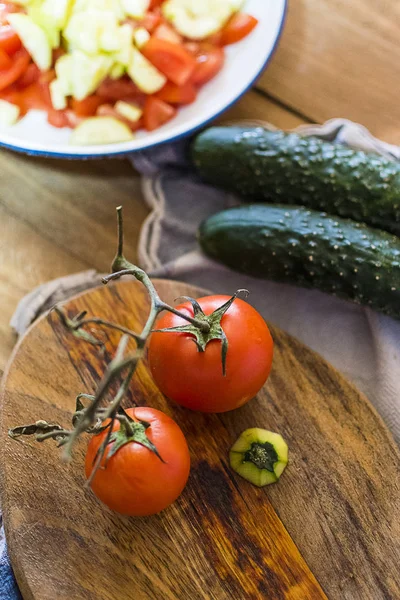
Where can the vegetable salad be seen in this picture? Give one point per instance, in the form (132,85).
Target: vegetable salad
(107,68)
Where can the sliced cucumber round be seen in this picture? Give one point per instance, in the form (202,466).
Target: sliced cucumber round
(100,130)
(260,456)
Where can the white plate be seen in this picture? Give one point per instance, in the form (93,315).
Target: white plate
(244,63)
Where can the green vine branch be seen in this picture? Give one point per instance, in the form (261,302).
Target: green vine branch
(99,412)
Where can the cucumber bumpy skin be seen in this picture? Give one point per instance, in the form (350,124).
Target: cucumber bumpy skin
(294,245)
(273,166)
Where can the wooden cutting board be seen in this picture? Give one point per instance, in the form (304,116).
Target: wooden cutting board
(329,529)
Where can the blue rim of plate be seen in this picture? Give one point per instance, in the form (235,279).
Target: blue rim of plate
(188,133)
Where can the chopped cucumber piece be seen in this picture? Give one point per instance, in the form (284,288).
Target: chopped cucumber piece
(100,130)
(88,72)
(103,5)
(46,22)
(79,74)
(34,39)
(144,74)
(58,97)
(117,71)
(135,8)
(260,456)
(140,37)
(132,112)
(124,54)
(93,31)
(57,11)
(198,20)
(64,71)
(9,113)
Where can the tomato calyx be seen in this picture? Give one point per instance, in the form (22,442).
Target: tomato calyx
(130,430)
(214,331)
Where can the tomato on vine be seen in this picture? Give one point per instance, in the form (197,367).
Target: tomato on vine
(143,470)
(212,371)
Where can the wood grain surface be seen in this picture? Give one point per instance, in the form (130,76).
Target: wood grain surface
(333,518)
(340,59)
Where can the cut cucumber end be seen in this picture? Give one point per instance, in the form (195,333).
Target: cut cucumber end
(259,456)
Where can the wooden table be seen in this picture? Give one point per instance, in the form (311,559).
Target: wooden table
(336,58)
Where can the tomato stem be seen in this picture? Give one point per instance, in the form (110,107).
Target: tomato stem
(92,410)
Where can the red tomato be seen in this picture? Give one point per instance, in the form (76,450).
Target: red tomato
(237,28)
(171,59)
(134,481)
(209,61)
(5,60)
(165,32)
(194,379)
(119,89)
(9,41)
(58,118)
(31,75)
(106,110)
(88,106)
(156,113)
(177,94)
(19,65)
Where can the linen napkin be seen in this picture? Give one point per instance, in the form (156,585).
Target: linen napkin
(362,344)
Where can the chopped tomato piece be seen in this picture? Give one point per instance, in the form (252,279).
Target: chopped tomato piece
(88,106)
(9,41)
(58,118)
(31,75)
(13,95)
(171,59)
(209,62)
(177,94)
(119,89)
(165,32)
(5,60)
(72,118)
(34,96)
(47,76)
(151,20)
(192,47)
(7,8)
(19,65)
(156,113)
(237,28)
(215,39)
(155,4)
(106,110)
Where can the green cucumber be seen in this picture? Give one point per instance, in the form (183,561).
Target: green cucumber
(295,245)
(273,166)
